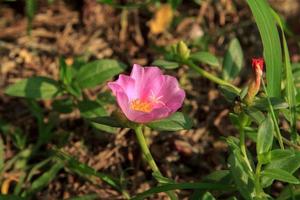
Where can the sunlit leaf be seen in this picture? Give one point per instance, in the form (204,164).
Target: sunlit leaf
(271,43)
(97,72)
(34,87)
(233,60)
(178,121)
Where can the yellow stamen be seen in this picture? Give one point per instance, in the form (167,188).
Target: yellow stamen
(139,105)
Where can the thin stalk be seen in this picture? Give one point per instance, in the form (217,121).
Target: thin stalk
(277,130)
(258,189)
(243,147)
(210,76)
(148,156)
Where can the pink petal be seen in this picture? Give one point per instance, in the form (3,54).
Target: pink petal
(124,84)
(124,104)
(155,114)
(148,80)
(172,95)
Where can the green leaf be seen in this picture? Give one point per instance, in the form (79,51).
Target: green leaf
(63,105)
(220,176)
(238,170)
(229,93)
(265,136)
(274,155)
(176,122)
(233,60)
(30,9)
(208,196)
(174,3)
(108,121)
(11,197)
(277,103)
(65,72)
(97,72)
(206,58)
(271,43)
(182,186)
(280,175)
(45,178)
(92,109)
(290,86)
(255,114)
(85,197)
(289,164)
(35,87)
(84,170)
(165,64)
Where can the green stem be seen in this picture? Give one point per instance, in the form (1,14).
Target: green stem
(143,144)
(210,76)
(243,147)
(258,189)
(277,130)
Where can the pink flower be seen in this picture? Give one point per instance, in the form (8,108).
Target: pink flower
(147,95)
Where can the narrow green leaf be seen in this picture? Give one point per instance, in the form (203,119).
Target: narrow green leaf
(239,172)
(220,176)
(35,87)
(178,121)
(63,105)
(92,109)
(165,64)
(30,9)
(271,43)
(274,155)
(85,197)
(182,186)
(255,114)
(229,93)
(289,164)
(208,196)
(45,178)
(108,121)
(11,197)
(290,86)
(265,136)
(206,58)
(84,170)
(233,60)
(65,72)
(280,175)
(97,72)
(277,103)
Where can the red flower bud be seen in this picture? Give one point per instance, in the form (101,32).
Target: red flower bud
(254,85)
(258,64)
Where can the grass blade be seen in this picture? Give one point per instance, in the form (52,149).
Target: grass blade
(271,43)
(290,86)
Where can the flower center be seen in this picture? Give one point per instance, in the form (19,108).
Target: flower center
(143,106)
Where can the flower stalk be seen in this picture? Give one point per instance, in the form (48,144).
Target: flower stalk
(148,156)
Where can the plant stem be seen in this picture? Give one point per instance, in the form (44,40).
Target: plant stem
(277,130)
(143,144)
(243,147)
(258,188)
(210,76)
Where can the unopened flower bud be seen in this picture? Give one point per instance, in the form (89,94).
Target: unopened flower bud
(183,50)
(254,85)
